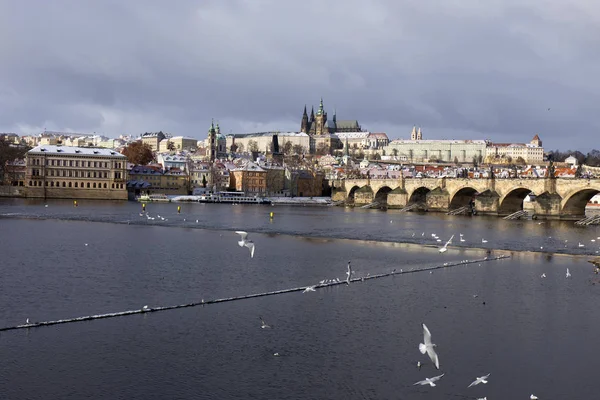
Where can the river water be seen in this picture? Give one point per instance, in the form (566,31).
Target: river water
(534,335)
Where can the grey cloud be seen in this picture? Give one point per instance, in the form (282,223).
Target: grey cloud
(463,68)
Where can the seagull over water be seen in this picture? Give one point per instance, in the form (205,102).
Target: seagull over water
(445,247)
(309,289)
(244,242)
(481,379)
(568,275)
(263,324)
(428,347)
(349,273)
(429,381)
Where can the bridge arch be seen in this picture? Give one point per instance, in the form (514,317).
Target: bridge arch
(351,193)
(512,201)
(419,195)
(462,197)
(381,196)
(574,203)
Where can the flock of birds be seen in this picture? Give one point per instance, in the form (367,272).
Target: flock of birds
(444,248)
(428,347)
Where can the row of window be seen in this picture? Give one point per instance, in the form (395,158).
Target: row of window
(87,185)
(76,173)
(76,163)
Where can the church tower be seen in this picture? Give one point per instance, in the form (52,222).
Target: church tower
(321,120)
(536,141)
(413,134)
(212,142)
(304,127)
(419,134)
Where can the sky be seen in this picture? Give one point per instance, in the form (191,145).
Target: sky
(502,70)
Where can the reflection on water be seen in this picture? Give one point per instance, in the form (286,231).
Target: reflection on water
(344,342)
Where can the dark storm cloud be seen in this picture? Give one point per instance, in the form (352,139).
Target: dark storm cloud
(462,69)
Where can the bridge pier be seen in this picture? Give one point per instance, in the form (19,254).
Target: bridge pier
(438,199)
(338,194)
(487,202)
(397,198)
(548,206)
(364,196)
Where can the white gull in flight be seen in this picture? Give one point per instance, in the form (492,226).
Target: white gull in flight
(445,247)
(429,381)
(481,379)
(245,242)
(428,347)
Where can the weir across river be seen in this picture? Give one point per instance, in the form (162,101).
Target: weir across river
(249,296)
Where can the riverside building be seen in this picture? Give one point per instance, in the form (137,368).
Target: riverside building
(63,172)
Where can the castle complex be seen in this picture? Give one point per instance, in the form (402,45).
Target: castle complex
(318,124)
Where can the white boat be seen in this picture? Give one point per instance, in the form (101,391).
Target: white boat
(232,197)
(154,197)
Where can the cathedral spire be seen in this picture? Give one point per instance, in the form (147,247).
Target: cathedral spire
(303,114)
(312,113)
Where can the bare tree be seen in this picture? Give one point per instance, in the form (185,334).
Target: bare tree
(252,146)
(298,149)
(322,149)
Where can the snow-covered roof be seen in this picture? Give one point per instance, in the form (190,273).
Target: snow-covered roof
(433,141)
(261,134)
(182,137)
(83,151)
(351,135)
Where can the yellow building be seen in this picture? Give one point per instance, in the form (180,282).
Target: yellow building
(172,182)
(75,173)
(249,178)
(153,139)
(531,152)
(177,143)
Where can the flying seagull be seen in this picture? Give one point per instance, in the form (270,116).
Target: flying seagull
(309,289)
(263,324)
(428,347)
(481,379)
(568,275)
(445,248)
(429,381)
(349,273)
(244,242)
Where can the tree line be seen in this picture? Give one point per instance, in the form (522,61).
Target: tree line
(592,158)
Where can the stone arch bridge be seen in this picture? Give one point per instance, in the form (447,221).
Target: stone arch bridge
(555,198)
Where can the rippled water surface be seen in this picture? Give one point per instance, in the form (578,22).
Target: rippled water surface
(534,335)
